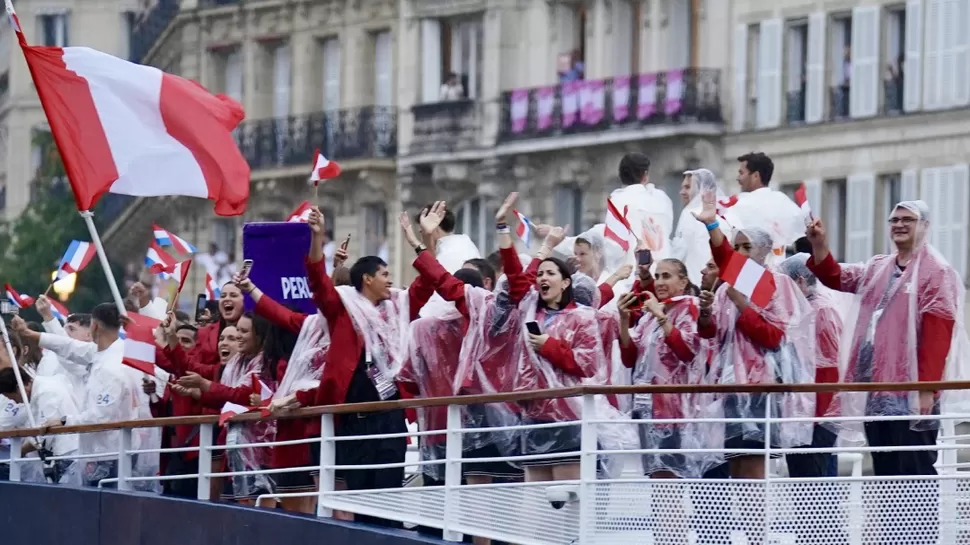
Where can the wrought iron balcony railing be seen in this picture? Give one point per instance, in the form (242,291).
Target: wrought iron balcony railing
(671,97)
(353,133)
(445,126)
(148,26)
(795,111)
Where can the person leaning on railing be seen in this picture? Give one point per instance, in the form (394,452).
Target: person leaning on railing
(910,313)
(752,345)
(364,360)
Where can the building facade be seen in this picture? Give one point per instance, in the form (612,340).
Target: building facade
(104,24)
(867,103)
(311,76)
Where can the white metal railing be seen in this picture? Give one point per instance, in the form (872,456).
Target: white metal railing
(854,508)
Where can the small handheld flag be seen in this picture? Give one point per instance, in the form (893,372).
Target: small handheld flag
(323,169)
(167,238)
(749,278)
(801,199)
(212,291)
(301,214)
(617,226)
(158,261)
(524,229)
(77,256)
(19,301)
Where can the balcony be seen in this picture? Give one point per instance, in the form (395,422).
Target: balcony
(622,102)
(149,26)
(838,102)
(445,126)
(353,133)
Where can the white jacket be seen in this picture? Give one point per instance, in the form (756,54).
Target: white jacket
(51,399)
(157,309)
(651,215)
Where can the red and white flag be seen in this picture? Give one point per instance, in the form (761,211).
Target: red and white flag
(132,129)
(749,278)
(181,272)
(801,199)
(301,214)
(323,168)
(140,346)
(230,410)
(617,227)
(722,206)
(260,388)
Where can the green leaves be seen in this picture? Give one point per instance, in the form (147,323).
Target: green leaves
(32,244)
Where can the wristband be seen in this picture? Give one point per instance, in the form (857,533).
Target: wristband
(713,226)
(503,229)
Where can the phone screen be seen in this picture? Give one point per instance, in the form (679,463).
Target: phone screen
(533,327)
(200,302)
(644,257)
(246,267)
(6,307)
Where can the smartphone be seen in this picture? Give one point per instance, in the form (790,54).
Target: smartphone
(345,243)
(533,328)
(6,307)
(247,266)
(644,257)
(200,303)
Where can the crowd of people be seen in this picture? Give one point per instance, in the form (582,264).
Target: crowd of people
(600,308)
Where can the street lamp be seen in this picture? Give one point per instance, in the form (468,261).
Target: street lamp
(65,286)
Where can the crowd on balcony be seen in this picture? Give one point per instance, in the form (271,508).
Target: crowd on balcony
(712,299)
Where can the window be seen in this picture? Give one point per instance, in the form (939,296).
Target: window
(130,23)
(476,219)
(451,46)
(833,213)
(375,229)
(224,235)
(383,69)
(54,29)
(840,65)
(227,71)
(569,207)
(281,80)
(330,55)
(796,78)
(945,49)
(889,195)
(895,55)
(753,46)
(569,29)
(679,34)
(626,37)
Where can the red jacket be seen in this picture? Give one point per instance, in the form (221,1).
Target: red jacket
(345,344)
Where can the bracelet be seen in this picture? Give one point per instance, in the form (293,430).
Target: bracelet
(503,229)
(713,226)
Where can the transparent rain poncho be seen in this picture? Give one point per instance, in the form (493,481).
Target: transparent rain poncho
(609,255)
(775,213)
(384,327)
(690,243)
(738,358)
(238,373)
(305,366)
(659,363)
(908,326)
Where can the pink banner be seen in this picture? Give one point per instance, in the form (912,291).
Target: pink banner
(593,100)
(545,102)
(570,102)
(647,99)
(621,98)
(675,92)
(519,109)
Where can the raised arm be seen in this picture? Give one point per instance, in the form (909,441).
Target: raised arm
(429,270)
(271,310)
(324,293)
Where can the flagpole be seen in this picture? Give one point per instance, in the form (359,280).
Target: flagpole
(16,373)
(96,239)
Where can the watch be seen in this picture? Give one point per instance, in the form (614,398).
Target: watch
(420,248)
(63,420)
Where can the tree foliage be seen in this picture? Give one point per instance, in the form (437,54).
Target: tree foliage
(33,243)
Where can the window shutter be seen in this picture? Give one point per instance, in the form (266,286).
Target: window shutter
(796,55)
(815,69)
(930,193)
(281,81)
(623,26)
(861,197)
(948,53)
(913,67)
(769,74)
(331,74)
(958,207)
(865,83)
(908,186)
(740,76)
(961,52)
(430,60)
(813,190)
(234,75)
(932,83)
(678,34)
(383,63)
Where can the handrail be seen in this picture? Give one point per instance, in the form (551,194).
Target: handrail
(505,397)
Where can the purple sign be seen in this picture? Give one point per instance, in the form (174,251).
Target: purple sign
(519,109)
(675,92)
(278,251)
(647,99)
(570,102)
(621,97)
(592,102)
(545,102)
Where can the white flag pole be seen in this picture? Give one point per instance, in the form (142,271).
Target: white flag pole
(96,239)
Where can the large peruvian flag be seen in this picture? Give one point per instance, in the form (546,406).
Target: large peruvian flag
(125,128)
